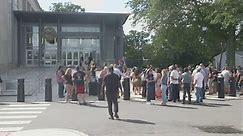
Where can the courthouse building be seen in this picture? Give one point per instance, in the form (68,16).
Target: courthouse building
(31,37)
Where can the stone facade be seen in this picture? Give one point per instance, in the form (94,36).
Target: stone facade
(8,27)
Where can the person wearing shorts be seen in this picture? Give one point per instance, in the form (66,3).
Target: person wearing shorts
(78,80)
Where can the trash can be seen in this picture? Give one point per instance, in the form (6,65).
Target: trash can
(20,91)
(101,92)
(48,90)
(126,87)
(220,86)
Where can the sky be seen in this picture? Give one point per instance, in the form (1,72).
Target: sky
(113,6)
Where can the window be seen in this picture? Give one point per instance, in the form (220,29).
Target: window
(15,5)
(94,29)
(24,5)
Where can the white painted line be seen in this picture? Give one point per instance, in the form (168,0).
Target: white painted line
(10,129)
(20,112)
(35,108)
(29,105)
(15,122)
(18,117)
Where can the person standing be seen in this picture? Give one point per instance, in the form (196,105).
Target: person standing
(59,73)
(174,80)
(112,81)
(198,83)
(103,73)
(186,79)
(164,81)
(67,77)
(78,80)
(87,79)
(226,74)
(158,84)
(150,86)
(120,75)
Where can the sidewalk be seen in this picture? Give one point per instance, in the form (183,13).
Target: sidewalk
(34,79)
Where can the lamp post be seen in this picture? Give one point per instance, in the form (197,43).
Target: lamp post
(204,29)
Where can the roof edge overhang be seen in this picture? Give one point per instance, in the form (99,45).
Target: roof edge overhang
(124,16)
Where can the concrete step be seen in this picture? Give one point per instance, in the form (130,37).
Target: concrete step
(13,93)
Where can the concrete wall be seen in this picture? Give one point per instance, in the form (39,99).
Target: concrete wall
(113,44)
(5,33)
(9,30)
(27,5)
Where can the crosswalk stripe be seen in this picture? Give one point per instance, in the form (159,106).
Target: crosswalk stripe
(14,117)
(18,117)
(20,112)
(34,108)
(29,105)
(10,129)
(15,122)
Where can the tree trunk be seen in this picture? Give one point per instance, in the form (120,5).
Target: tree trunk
(230,50)
(220,61)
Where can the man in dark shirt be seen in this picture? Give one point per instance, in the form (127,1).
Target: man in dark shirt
(111,81)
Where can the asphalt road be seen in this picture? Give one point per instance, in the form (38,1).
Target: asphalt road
(136,118)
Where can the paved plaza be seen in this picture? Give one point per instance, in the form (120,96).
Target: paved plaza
(136,117)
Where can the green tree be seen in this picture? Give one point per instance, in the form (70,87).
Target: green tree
(134,46)
(228,15)
(191,31)
(66,7)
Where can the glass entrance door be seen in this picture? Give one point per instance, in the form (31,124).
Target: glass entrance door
(80,50)
(72,58)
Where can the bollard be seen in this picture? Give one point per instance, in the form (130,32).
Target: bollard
(220,87)
(101,92)
(232,87)
(126,87)
(48,90)
(20,91)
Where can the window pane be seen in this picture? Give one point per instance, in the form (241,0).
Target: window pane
(75,55)
(94,28)
(69,55)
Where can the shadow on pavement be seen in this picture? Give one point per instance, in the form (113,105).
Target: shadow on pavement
(3,103)
(138,101)
(211,104)
(177,106)
(96,106)
(136,121)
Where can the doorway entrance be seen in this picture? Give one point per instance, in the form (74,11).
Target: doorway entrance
(80,51)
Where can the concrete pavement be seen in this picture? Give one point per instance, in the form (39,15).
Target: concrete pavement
(137,117)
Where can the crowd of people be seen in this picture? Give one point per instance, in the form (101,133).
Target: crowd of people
(166,84)
(151,83)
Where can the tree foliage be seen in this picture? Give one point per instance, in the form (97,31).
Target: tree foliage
(134,46)
(66,7)
(191,31)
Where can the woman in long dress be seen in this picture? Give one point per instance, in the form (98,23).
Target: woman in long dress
(150,85)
